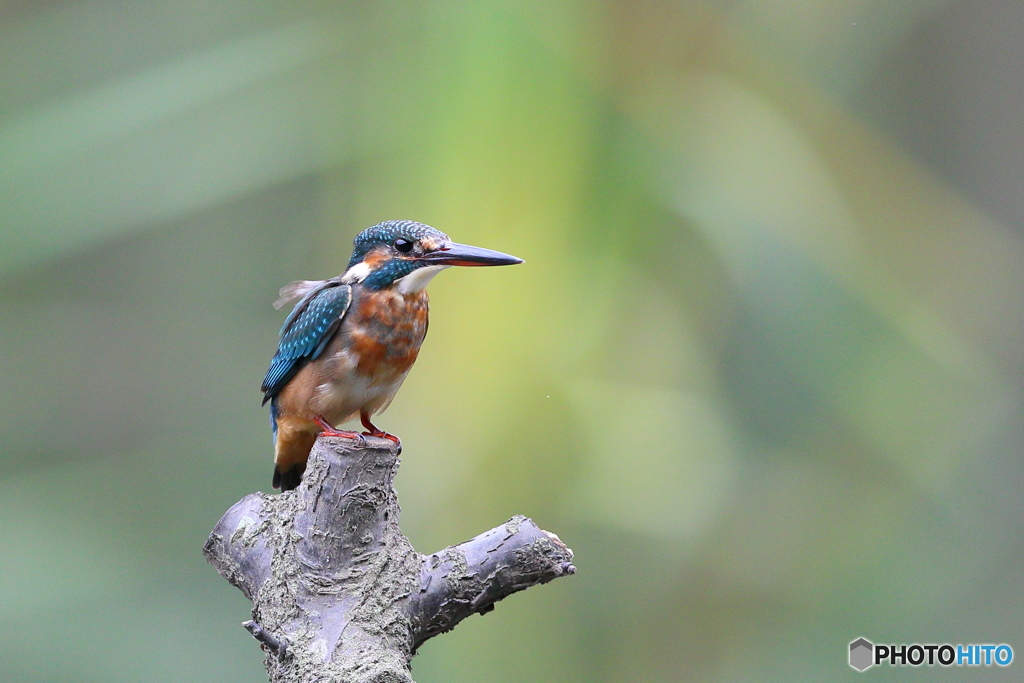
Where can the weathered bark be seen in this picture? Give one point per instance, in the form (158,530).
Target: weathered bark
(339,594)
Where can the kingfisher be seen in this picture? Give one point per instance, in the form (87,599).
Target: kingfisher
(349,342)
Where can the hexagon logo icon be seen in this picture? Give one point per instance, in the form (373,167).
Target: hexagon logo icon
(861,654)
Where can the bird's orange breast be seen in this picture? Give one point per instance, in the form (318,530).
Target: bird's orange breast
(386,331)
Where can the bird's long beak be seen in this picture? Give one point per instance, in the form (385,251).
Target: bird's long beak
(454,254)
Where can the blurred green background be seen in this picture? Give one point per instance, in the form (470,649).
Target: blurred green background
(762,369)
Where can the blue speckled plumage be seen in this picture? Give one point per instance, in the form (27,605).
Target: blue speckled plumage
(305,334)
(385,232)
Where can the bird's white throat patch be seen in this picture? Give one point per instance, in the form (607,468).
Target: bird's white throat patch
(357,273)
(417,280)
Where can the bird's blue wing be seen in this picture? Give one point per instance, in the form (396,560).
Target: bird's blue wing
(306,333)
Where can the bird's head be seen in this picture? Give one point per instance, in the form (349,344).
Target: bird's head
(407,255)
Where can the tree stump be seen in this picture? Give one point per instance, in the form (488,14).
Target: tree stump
(338,592)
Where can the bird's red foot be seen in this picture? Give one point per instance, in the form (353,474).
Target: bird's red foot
(372,430)
(328,430)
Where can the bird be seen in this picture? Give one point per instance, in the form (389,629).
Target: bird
(350,341)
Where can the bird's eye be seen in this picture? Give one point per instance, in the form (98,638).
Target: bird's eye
(404,246)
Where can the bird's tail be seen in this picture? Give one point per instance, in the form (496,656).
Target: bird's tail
(294,440)
(289,479)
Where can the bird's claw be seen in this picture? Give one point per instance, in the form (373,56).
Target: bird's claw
(374,430)
(384,435)
(326,429)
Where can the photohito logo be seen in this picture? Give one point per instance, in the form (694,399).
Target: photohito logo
(864,654)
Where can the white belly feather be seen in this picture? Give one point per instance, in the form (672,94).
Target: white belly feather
(340,398)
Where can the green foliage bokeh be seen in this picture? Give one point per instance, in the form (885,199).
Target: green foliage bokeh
(761,369)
